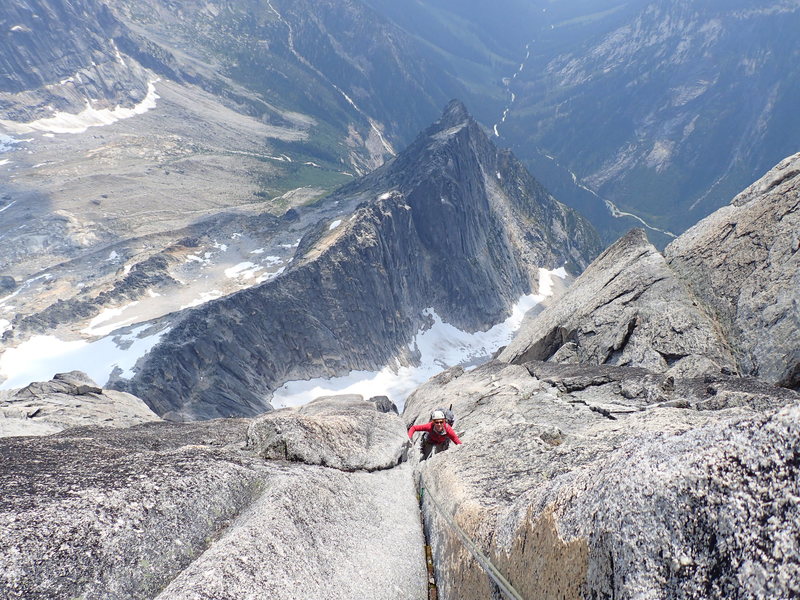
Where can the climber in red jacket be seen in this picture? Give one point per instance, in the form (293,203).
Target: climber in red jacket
(438,434)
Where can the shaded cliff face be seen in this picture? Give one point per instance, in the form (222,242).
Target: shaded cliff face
(58,55)
(451,224)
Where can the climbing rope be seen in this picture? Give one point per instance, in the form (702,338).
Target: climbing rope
(494,574)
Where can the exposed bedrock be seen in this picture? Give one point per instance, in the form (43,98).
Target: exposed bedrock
(59,55)
(743,263)
(451,224)
(614,482)
(68,400)
(724,297)
(342,432)
(629,309)
(168,511)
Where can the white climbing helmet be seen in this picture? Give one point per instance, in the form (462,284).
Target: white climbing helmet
(437,415)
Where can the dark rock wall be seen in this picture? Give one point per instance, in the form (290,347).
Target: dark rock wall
(58,55)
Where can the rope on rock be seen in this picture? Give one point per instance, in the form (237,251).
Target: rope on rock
(494,574)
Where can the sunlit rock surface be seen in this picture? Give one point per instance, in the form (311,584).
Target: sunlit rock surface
(725,296)
(68,400)
(742,262)
(629,309)
(168,511)
(346,433)
(600,482)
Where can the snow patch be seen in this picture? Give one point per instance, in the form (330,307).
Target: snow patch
(116,52)
(112,256)
(195,258)
(63,122)
(440,346)
(5,325)
(335,224)
(268,276)
(107,315)
(7,143)
(42,356)
(203,298)
(25,285)
(244,270)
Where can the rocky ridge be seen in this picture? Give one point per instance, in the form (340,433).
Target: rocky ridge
(742,262)
(451,224)
(621,447)
(724,296)
(600,481)
(627,308)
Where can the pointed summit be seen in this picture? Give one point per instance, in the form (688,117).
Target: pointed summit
(454,114)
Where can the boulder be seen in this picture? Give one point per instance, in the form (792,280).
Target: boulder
(743,263)
(68,400)
(579,481)
(7,284)
(384,404)
(344,432)
(628,309)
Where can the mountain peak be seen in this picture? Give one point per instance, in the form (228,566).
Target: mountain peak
(454,114)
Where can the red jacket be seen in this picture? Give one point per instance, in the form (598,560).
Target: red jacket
(434,437)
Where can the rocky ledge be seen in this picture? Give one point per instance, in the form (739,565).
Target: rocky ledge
(725,296)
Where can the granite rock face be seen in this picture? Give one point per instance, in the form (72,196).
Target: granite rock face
(628,309)
(167,510)
(451,224)
(343,432)
(59,54)
(743,263)
(583,481)
(725,296)
(68,400)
